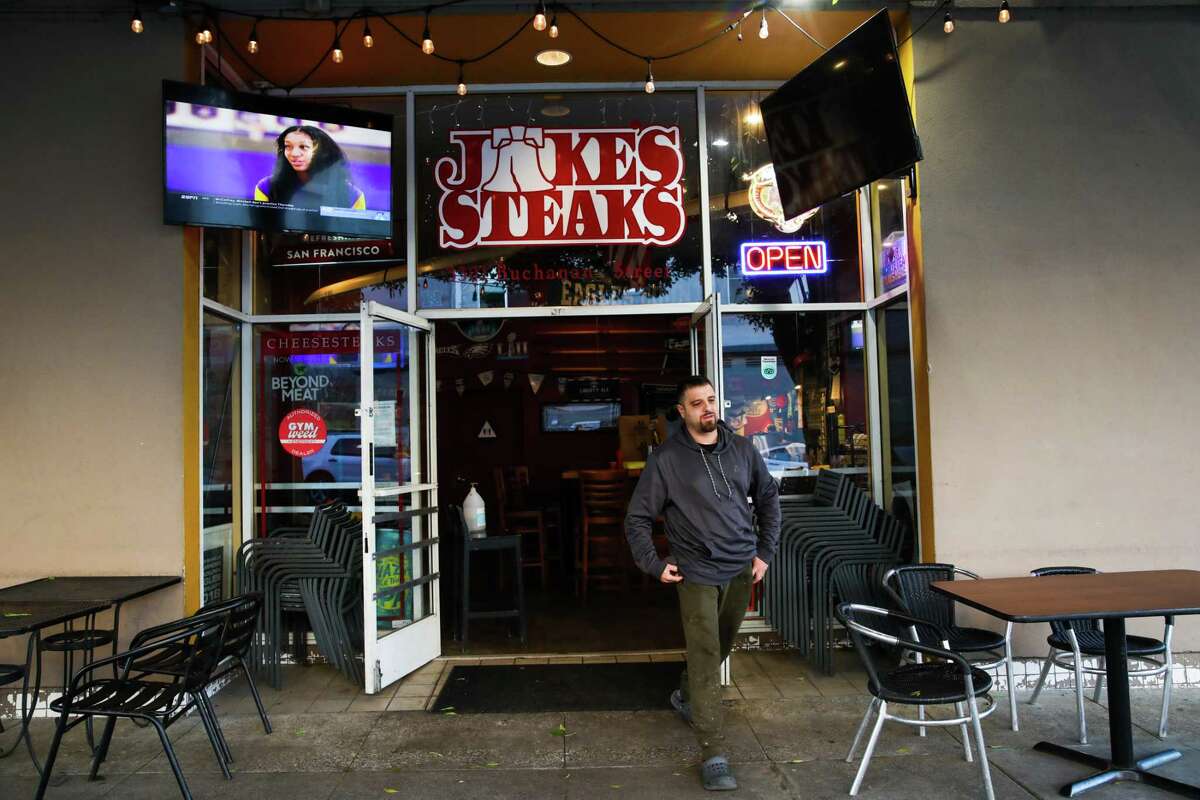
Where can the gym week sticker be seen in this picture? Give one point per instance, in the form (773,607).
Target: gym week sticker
(302,432)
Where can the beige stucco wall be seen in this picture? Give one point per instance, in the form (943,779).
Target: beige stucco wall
(91,327)
(1061,196)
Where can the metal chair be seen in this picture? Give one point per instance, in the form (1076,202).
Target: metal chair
(950,680)
(196,645)
(909,587)
(1078,639)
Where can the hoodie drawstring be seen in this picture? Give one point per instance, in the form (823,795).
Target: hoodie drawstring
(713,480)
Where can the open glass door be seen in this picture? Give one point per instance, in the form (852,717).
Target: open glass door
(706,346)
(397,420)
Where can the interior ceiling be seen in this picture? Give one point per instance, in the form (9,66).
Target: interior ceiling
(289,49)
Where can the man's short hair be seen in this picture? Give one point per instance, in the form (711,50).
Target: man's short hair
(690,382)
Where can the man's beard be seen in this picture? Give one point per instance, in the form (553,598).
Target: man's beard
(706,427)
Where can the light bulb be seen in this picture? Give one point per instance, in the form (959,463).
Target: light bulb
(208,36)
(338,55)
(948,25)
(135,24)
(1005,15)
(539,19)
(252,44)
(200,40)
(649,79)
(554,27)
(763,32)
(426,41)
(462,89)
(739,32)
(368,39)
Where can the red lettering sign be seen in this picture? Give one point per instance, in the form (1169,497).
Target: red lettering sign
(522,186)
(783,258)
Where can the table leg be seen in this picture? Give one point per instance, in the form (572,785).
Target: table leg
(33,656)
(1121,766)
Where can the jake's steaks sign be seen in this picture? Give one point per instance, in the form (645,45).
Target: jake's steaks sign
(524,186)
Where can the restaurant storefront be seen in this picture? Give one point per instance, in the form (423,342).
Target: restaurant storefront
(574,249)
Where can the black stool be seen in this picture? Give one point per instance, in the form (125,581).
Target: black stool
(10,673)
(471,546)
(83,641)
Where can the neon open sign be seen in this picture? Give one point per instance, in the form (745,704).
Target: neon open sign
(783,258)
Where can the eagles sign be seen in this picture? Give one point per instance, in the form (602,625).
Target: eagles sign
(530,186)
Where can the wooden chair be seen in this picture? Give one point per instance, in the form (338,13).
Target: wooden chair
(518,518)
(603,552)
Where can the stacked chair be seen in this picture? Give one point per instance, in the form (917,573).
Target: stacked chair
(842,526)
(317,571)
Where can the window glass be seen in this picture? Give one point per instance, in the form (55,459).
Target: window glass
(758,257)
(891,255)
(221,266)
(795,385)
(221,408)
(896,406)
(557,200)
(298,273)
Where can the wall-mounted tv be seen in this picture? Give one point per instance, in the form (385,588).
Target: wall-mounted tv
(841,122)
(570,417)
(267,163)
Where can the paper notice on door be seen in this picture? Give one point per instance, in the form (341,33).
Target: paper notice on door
(385,423)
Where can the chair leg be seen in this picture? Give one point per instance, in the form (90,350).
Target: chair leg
(1099,685)
(1166,701)
(202,711)
(171,759)
(102,751)
(983,760)
(862,727)
(870,751)
(216,723)
(961,711)
(262,712)
(1049,662)
(542,554)
(920,709)
(1008,674)
(49,765)
(1079,697)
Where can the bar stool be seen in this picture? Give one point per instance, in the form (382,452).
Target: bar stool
(83,641)
(604,500)
(470,546)
(518,518)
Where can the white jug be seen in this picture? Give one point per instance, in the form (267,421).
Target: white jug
(476,514)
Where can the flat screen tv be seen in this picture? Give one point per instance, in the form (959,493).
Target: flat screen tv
(272,164)
(841,122)
(570,417)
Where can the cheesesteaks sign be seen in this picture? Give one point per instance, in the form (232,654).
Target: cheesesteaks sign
(525,186)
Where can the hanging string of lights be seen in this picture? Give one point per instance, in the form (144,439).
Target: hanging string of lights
(209,19)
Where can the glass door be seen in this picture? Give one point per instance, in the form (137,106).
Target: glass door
(706,346)
(397,424)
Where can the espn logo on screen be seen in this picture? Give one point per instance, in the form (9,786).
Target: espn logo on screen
(783,258)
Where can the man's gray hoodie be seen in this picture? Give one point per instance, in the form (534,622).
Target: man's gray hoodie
(704,498)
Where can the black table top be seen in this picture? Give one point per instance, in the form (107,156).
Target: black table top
(111,589)
(27,616)
(1152,593)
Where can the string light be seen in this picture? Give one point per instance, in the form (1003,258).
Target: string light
(135,24)
(204,36)
(252,44)
(649,77)
(462,83)
(338,55)
(762,26)
(426,39)
(554,25)
(948,24)
(739,31)
(368,39)
(539,19)
(1005,15)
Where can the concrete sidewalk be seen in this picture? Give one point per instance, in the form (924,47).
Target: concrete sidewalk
(788,732)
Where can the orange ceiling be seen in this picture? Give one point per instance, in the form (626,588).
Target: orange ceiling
(290,48)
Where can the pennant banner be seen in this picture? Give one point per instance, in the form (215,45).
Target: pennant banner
(535,381)
(508,379)
(460,384)
(486,377)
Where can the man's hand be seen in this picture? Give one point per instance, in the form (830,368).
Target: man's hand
(758,569)
(670,574)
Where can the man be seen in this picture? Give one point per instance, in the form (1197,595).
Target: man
(701,479)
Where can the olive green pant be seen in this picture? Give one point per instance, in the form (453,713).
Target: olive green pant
(711,617)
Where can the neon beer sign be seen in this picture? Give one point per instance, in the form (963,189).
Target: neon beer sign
(783,258)
(522,185)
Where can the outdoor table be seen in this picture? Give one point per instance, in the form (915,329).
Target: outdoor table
(1111,597)
(31,607)
(32,617)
